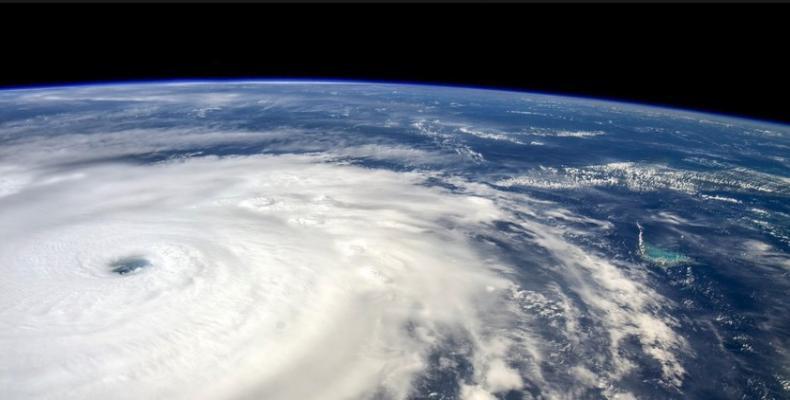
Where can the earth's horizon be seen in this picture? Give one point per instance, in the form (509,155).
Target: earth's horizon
(282,239)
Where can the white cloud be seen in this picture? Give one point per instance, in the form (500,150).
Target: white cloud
(281,276)
(651,177)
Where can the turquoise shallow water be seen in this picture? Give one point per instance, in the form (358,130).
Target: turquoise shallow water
(662,257)
(657,255)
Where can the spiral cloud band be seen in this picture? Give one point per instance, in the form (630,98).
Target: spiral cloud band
(301,275)
(269,277)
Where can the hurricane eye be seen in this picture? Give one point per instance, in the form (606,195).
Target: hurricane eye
(126,266)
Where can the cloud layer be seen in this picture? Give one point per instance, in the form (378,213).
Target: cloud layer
(281,277)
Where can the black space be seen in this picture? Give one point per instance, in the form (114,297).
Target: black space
(726,58)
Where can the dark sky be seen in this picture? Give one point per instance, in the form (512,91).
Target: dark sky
(721,58)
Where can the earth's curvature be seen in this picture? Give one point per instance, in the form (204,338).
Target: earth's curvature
(307,240)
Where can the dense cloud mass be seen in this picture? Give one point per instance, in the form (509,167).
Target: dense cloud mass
(149,251)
